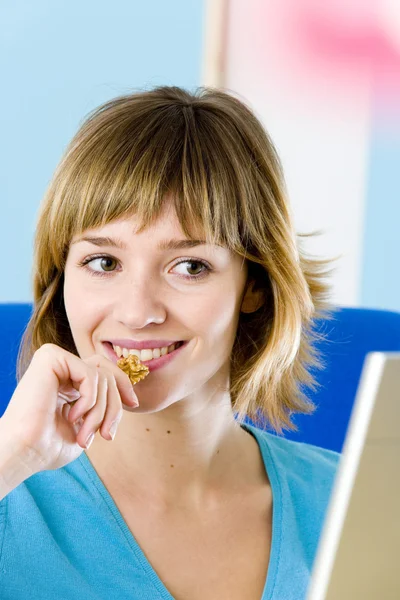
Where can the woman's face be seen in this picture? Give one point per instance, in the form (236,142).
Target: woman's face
(139,292)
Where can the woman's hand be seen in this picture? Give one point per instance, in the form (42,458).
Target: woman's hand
(39,419)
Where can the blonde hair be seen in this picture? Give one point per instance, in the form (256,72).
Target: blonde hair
(212,153)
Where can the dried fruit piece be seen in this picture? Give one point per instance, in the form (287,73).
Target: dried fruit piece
(133,368)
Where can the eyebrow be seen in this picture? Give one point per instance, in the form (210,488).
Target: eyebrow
(163,245)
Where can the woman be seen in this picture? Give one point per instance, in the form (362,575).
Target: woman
(187,502)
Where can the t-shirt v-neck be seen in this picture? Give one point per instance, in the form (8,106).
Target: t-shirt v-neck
(140,555)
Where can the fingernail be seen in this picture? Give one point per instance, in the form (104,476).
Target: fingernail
(113,428)
(89,440)
(134,398)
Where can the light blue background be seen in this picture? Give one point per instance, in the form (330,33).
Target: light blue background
(381,253)
(58,61)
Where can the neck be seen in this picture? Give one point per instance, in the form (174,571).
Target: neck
(173,460)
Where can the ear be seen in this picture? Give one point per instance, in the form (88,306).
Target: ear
(252,300)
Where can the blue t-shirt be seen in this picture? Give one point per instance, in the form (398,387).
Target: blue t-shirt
(63,538)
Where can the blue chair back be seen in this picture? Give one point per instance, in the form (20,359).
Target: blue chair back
(350,336)
(13,321)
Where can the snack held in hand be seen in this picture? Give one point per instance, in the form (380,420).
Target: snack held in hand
(133,368)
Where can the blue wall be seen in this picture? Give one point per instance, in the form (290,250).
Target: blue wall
(58,61)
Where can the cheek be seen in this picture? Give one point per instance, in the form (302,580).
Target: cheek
(216,316)
(80,308)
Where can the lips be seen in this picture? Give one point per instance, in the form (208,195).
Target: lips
(154,363)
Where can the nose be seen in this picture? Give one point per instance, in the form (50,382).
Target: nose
(139,303)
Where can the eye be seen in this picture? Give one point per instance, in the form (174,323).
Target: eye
(106,263)
(206,269)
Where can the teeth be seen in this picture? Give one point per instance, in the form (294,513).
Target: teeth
(146,354)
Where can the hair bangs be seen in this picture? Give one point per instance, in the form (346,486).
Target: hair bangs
(132,169)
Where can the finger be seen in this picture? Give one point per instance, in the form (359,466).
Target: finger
(124,384)
(85,402)
(68,368)
(68,400)
(69,394)
(65,412)
(95,416)
(114,410)
(69,391)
